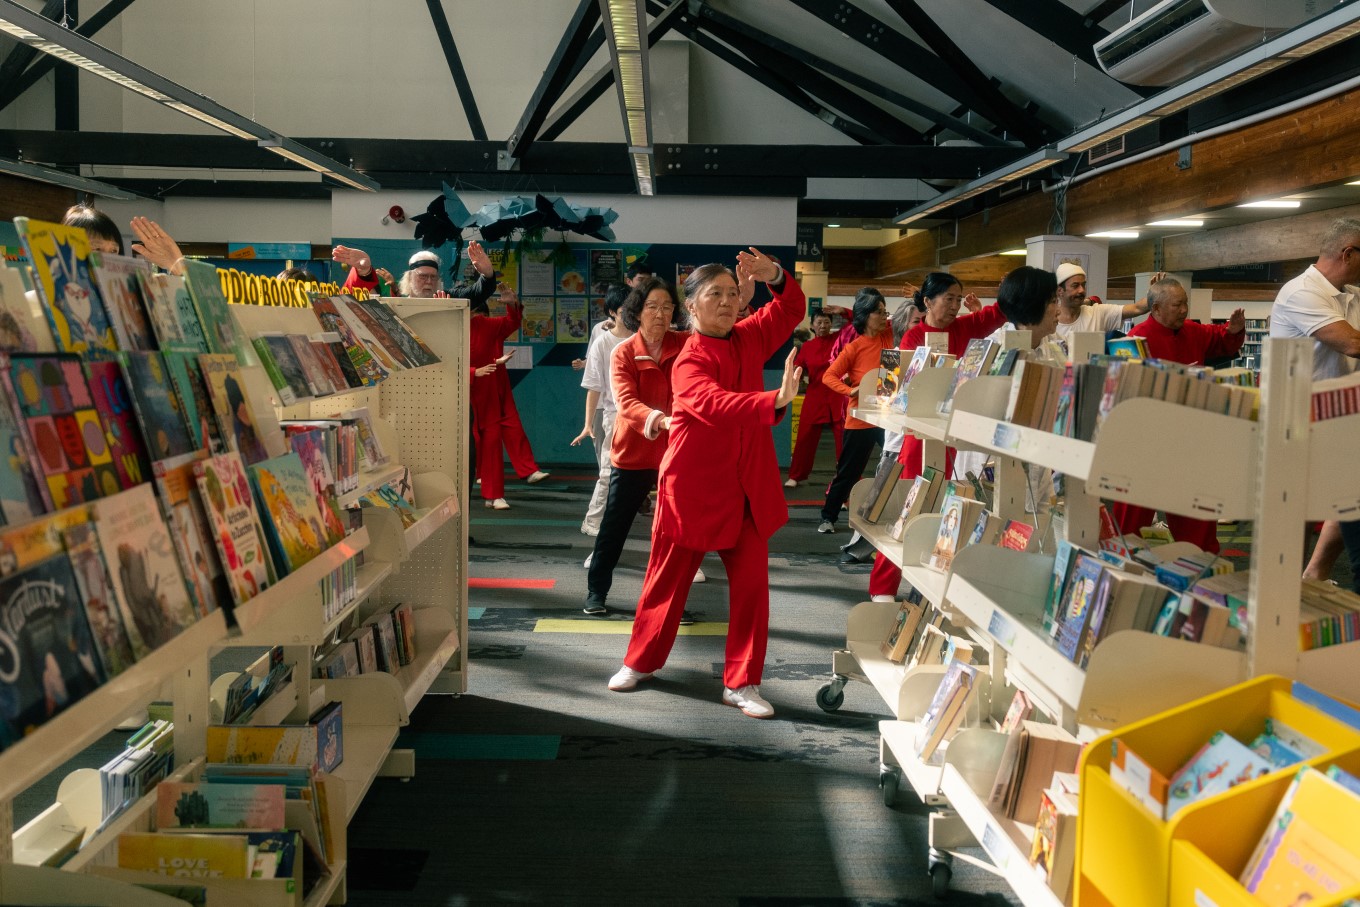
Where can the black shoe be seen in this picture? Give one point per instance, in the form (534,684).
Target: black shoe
(850,557)
(687,618)
(595,607)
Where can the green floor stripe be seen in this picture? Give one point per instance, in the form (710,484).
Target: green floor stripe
(529,747)
(476,613)
(511,521)
(619,627)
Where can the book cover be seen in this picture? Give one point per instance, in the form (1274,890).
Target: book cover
(192,532)
(342,661)
(23,326)
(1074,608)
(23,488)
(977,356)
(166,315)
(986,529)
(60,257)
(1221,763)
(946,708)
(920,358)
(332,341)
(142,565)
(889,380)
(390,359)
(876,487)
(367,649)
(318,382)
(325,357)
(388,497)
(63,427)
(1304,862)
(1054,847)
(214,314)
(156,405)
(99,599)
(374,455)
(288,510)
(310,447)
(413,348)
(262,744)
(917,501)
(1016,535)
(187,856)
(275,349)
(237,534)
(194,401)
(947,539)
(112,400)
(50,660)
(119,287)
(1019,711)
(235,417)
(368,369)
(386,639)
(189,805)
(330,735)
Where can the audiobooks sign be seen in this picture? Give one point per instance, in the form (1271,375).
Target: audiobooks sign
(254,289)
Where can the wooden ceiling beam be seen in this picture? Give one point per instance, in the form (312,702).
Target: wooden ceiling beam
(1277,239)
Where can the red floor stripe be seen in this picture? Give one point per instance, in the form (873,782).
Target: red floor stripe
(490,582)
(1233,552)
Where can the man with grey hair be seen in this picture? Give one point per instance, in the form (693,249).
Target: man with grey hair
(1322,303)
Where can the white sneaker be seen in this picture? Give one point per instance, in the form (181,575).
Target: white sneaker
(498,504)
(591,531)
(538,476)
(626,679)
(479,482)
(588,559)
(791,483)
(699,576)
(883,598)
(748,699)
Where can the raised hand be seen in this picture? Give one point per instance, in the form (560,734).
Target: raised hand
(354,258)
(1237,322)
(155,245)
(788,385)
(480,260)
(759,266)
(972,303)
(746,287)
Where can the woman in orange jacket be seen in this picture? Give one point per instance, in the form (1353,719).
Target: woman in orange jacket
(719,484)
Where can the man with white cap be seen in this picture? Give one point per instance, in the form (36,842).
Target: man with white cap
(1077,313)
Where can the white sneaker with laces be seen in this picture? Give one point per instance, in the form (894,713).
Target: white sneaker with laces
(498,504)
(538,476)
(749,700)
(699,576)
(791,483)
(589,556)
(626,679)
(883,598)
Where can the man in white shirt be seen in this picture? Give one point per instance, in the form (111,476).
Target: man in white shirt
(1311,305)
(600,408)
(1077,313)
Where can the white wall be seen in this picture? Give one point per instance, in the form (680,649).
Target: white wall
(229,220)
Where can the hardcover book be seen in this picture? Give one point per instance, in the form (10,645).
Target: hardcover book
(235,418)
(318,382)
(60,257)
(372,334)
(368,369)
(230,506)
(1074,608)
(188,805)
(310,447)
(99,599)
(386,496)
(281,364)
(23,489)
(330,735)
(119,287)
(112,400)
(50,657)
(342,359)
(156,405)
(1016,535)
(262,744)
(142,566)
(192,393)
(166,314)
(214,314)
(1304,862)
(1221,763)
(325,357)
(192,532)
(187,856)
(63,427)
(976,358)
(23,326)
(415,350)
(288,511)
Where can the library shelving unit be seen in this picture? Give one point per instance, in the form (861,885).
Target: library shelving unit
(421,417)
(1276,472)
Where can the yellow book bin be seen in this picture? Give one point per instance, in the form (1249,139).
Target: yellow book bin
(1125,852)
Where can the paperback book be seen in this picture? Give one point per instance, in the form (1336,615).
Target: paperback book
(288,510)
(388,354)
(415,350)
(318,381)
(310,447)
(368,369)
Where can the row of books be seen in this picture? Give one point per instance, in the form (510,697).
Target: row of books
(350,443)
(247,692)
(1335,397)
(890,391)
(148,756)
(340,588)
(385,642)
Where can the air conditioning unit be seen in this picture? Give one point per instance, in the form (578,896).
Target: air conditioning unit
(1177,39)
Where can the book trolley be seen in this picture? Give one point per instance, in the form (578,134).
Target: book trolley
(1164,694)
(421,416)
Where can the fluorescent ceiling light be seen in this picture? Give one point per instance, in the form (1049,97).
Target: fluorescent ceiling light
(1114,234)
(1356,183)
(1273,203)
(62,178)
(1015,252)
(52,38)
(1015,170)
(1177,222)
(833,225)
(625,30)
(300,154)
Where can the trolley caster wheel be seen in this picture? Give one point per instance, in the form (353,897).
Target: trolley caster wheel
(940,876)
(830,696)
(889,780)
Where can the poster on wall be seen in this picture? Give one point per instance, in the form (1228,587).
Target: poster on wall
(1080,259)
(506,264)
(538,320)
(572,319)
(536,278)
(606,267)
(572,275)
(682,273)
(497,309)
(597,312)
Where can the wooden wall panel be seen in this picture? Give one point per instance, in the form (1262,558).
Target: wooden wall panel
(28,198)
(910,253)
(1276,239)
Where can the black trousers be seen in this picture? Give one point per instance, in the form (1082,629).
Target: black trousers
(628,488)
(856,448)
(1350,536)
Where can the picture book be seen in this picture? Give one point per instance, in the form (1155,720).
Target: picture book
(60,257)
(288,511)
(1283,746)
(187,805)
(50,656)
(194,400)
(368,369)
(976,358)
(191,531)
(27,544)
(1147,785)
(23,489)
(1222,762)
(1303,862)
(99,599)
(889,380)
(1016,535)
(214,314)
(1074,608)
(330,365)
(235,417)
(386,353)
(1321,798)
(23,326)
(262,744)
(281,364)
(385,496)
(332,341)
(109,390)
(63,427)
(382,316)
(330,735)
(163,311)
(188,856)
(142,565)
(947,539)
(237,534)
(318,382)
(116,278)
(156,405)
(310,447)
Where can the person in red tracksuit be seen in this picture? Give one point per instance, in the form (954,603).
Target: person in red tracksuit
(940,297)
(719,487)
(821,406)
(1169,336)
